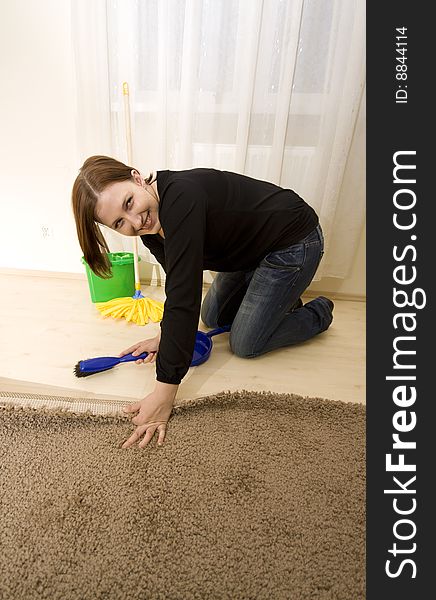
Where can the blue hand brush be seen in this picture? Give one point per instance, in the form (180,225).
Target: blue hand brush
(96,365)
(202,350)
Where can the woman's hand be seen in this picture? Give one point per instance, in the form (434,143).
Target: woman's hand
(154,413)
(151,346)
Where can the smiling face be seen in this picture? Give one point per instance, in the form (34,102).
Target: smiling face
(130,207)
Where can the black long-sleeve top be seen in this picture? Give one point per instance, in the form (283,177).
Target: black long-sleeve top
(220,221)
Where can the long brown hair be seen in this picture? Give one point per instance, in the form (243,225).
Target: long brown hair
(96,173)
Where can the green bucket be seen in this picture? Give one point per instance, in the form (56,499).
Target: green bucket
(122,282)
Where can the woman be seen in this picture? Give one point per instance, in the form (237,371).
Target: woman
(264,241)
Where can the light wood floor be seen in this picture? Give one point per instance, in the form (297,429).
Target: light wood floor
(48,324)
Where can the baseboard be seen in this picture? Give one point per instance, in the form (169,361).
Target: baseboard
(45,274)
(314,294)
(148,282)
(335,296)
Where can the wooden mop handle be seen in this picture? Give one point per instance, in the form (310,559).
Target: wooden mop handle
(129,160)
(127,119)
(136,263)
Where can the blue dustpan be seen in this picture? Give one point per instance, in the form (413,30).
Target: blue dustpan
(203,345)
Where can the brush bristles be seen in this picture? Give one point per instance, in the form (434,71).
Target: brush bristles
(79,373)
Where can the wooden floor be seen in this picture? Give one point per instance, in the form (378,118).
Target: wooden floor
(48,324)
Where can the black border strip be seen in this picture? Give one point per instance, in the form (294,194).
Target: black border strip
(400,301)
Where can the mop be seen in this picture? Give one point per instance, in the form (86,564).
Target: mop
(137,308)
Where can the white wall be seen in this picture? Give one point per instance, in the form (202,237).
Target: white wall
(37,124)
(39,158)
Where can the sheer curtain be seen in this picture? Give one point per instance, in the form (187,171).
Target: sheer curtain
(268,88)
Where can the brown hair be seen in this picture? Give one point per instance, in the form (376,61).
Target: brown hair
(96,173)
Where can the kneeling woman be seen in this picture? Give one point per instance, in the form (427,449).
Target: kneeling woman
(264,241)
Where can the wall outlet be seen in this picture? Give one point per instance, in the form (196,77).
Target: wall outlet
(46,232)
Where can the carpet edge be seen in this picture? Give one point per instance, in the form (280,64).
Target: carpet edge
(113,409)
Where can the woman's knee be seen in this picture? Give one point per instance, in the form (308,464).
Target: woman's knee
(241,346)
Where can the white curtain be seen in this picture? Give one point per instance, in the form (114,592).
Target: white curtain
(268,88)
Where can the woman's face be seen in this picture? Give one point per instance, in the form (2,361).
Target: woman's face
(129,208)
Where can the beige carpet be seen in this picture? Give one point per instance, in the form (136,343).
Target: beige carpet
(252,496)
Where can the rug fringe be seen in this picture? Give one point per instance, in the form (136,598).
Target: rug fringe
(77,405)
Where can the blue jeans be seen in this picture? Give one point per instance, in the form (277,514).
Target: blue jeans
(263,306)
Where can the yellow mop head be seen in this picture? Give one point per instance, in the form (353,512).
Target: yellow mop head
(137,309)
